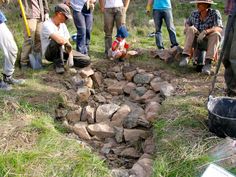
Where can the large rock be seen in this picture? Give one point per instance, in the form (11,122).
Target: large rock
(117,87)
(143,78)
(105,112)
(156,84)
(81,131)
(142,168)
(97,79)
(132,135)
(83,94)
(74,116)
(149,146)
(119,172)
(107,82)
(101,130)
(77,81)
(88,82)
(130,153)
(88,114)
(137,93)
(118,118)
(151,111)
(166,89)
(129,75)
(86,72)
(129,87)
(131,120)
(119,133)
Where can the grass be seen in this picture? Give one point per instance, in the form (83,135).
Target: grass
(182,138)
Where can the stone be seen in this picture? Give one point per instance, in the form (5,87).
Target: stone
(137,93)
(101,130)
(111,75)
(107,82)
(130,153)
(132,135)
(99,98)
(151,111)
(129,87)
(86,72)
(156,84)
(118,118)
(97,79)
(83,94)
(156,98)
(143,78)
(119,133)
(131,120)
(74,116)
(166,89)
(60,113)
(147,95)
(88,82)
(119,76)
(81,131)
(117,87)
(77,81)
(129,75)
(119,172)
(142,168)
(88,114)
(105,112)
(116,69)
(149,146)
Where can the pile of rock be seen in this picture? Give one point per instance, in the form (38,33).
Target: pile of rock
(113,110)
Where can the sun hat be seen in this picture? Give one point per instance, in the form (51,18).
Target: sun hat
(203,1)
(122,32)
(64,9)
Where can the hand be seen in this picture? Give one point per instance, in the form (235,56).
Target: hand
(201,36)
(67,2)
(46,17)
(68,48)
(102,9)
(148,9)
(70,61)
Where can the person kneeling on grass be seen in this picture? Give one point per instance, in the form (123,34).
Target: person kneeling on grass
(9,48)
(55,41)
(119,47)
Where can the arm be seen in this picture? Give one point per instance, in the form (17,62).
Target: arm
(102,5)
(149,6)
(213,29)
(59,39)
(126,4)
(114,45)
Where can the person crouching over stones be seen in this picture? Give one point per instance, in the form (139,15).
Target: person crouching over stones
(55,41)
(203,30)
(119,47)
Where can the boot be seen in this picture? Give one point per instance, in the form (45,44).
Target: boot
(10,80)
(4,86)
(207,67)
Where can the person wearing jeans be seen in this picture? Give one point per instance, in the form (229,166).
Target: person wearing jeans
(83,20)
(114,12)
(162,10)
(9,48)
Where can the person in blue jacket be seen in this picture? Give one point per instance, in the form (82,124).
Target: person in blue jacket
(162,10)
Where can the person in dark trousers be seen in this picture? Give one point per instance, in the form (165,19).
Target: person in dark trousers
(229,55)
(162,10)
(83,19)
(55,41)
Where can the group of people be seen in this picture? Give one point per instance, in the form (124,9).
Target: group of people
(203,32)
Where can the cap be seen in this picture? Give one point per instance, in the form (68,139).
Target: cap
(64,9)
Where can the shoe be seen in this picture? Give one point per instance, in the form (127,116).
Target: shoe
(24,66)
(121,59)
(59,70)
(184,61)
(12,81)
(207,67)
(4,86)
(199,68)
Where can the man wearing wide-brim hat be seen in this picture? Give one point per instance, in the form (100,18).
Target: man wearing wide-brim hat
(203,31)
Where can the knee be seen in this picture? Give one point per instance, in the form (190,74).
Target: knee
(215,35)
(191,29)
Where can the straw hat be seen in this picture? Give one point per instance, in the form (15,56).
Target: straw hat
(203,1)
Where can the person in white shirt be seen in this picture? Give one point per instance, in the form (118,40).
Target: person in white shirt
(114,12)
(55,41)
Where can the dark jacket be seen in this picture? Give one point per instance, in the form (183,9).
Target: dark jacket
(43,8)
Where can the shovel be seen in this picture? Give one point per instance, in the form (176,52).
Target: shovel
(34,58)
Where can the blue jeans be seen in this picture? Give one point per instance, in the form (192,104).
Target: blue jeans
(83,23)
(158,16)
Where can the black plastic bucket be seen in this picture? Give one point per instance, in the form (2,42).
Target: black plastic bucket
(222,116)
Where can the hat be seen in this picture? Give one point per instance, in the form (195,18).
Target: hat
(122,32)
(203,1)
(64,9)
